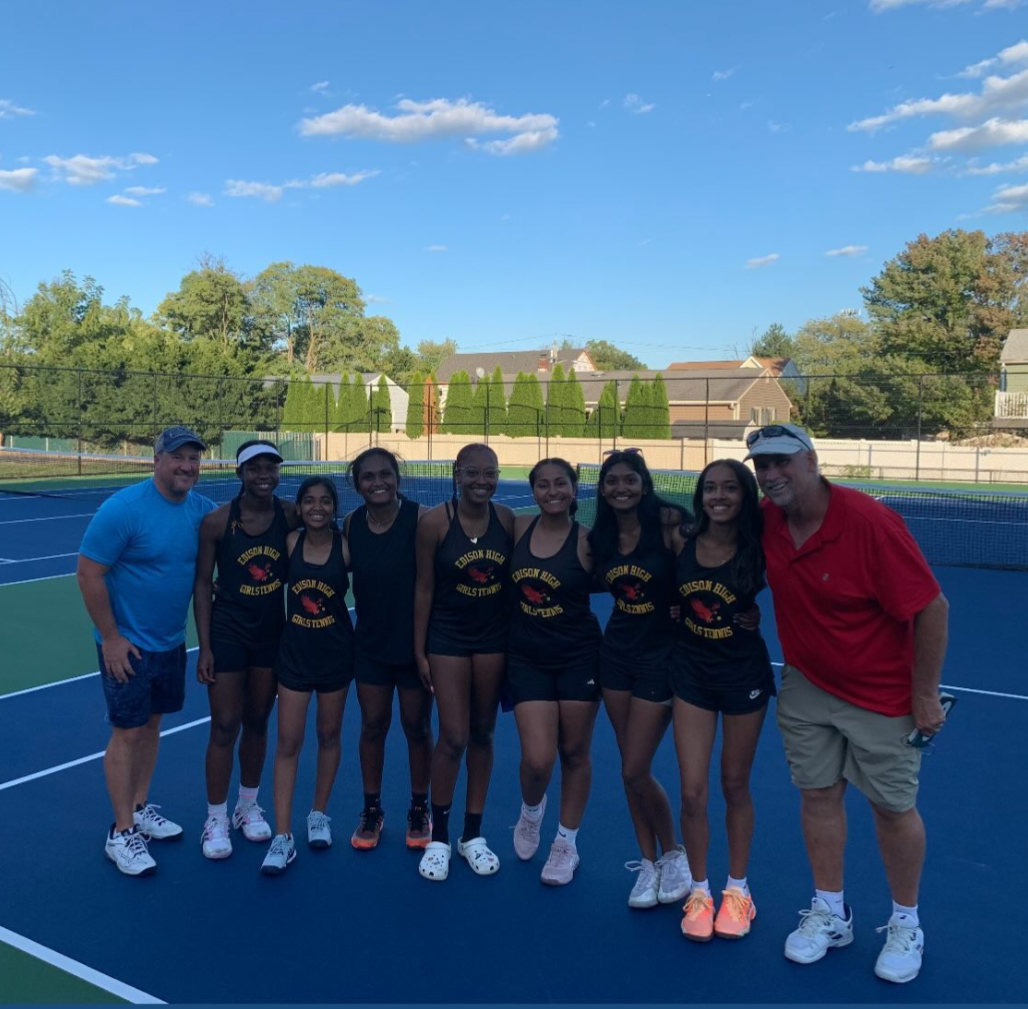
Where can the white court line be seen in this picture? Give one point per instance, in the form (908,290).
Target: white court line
(29,581)
(49,518)
(93,756)
(79,970)
(49,557)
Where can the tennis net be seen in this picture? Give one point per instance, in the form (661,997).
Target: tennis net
(97,477)
(962,528)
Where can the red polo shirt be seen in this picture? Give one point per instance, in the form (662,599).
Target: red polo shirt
(845,601)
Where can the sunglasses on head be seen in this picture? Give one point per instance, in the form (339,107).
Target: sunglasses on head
(772,431)
(622,451)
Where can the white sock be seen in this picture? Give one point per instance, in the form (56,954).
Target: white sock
(247,796)
(739,884)
(906,916)
(532,813)
(834,900)
(219,810)
(568,834)
(702,884)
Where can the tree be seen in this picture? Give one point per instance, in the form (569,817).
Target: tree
(634,423)
(211,302)
(432,354)
(415,426)
(607,357)
(661,421)
(605,420)
(496,406)
(574,407)
(381,407)
(435,409)
(948,302)
(555,403)
(773,342)
(525,409)
(459,405)
(479,405)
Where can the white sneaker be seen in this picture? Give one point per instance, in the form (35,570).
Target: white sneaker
(155,826)
(127,850)
(820,930)
(900,960)
(215,840)
(250,819)
(319,833)
(675,877)
(644,893)
(560,867)
(526,833)
(280,854)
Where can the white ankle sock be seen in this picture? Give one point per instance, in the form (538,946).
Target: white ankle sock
(568,834)
(247,796)
(906,916)
(834,900)
(702,884)
(219,810)
(739,884)
(532,813)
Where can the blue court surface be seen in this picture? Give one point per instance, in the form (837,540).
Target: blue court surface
(348,926)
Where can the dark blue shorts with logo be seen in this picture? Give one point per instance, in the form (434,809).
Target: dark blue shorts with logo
(157,688)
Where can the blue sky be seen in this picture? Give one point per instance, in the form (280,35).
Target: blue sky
(669,176)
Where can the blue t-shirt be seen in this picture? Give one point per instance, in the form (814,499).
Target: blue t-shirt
(149,544)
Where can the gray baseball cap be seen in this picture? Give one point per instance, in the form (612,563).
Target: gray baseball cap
(172,438)
(778,439)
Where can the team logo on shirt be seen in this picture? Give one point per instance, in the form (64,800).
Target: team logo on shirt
(312,594)
(628,584)
(258,563)
(481,567)
(536,600)
(705,598)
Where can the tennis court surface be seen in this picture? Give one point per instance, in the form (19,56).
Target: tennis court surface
(347,926)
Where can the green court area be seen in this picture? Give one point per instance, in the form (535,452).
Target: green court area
(26,980)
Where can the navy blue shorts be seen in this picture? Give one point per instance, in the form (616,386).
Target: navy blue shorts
(370,671)
(645,681)
(230,657)
(158,687)
(579,680)
(728,700)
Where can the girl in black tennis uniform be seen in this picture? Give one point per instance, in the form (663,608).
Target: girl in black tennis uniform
(720,666)
(631,546)
(553,664)
(238,626)
(461,617)
(316,656)
(380,535)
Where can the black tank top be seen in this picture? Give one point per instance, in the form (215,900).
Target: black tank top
(252,574)
(717,652)
(383,566)
(470,603)
(317,645)
(640,631)
(551,624)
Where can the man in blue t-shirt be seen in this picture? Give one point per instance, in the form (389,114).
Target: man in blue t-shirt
(135,572)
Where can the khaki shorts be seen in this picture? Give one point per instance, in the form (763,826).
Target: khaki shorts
(827,738)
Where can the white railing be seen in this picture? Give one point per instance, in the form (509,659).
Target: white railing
(1012,405)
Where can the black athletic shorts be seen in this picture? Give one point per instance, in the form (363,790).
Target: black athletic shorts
(645,681)
(728,700)
(441,644)
(231,657)
(577,681)
(386,674)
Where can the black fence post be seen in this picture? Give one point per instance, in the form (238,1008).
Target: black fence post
(920,414)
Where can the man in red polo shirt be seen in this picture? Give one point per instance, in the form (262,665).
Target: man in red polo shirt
(863,627)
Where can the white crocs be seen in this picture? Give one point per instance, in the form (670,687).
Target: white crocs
(435,863)
(476,852)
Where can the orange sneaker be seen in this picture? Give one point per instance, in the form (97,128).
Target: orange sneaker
(369,830)
(736,913)
(419,827)
(698,923)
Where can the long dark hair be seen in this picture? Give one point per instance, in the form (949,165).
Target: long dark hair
(748,562)
(360,460)
(572,475)
(603,538)
(320,481)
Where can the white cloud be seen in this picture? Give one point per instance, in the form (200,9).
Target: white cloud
(8,110)
(756,264)
(722,75)
(326,179)
(374,299)
(259,190)
(1008,5)
(123,201)
(774,127)
(1009,199)
(991,133)
(437,248)
(908,164)
(200,199)
(437,118)
(997,93)
(320,86)
(145,190)
(1012,55)
(82,170)
(1020,165)
(635,104)
(523,143)
(848,250)
(877,6)
(19,180)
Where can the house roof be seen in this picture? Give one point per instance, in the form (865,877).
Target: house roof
(1015,349)
(775,364)
(510,362)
